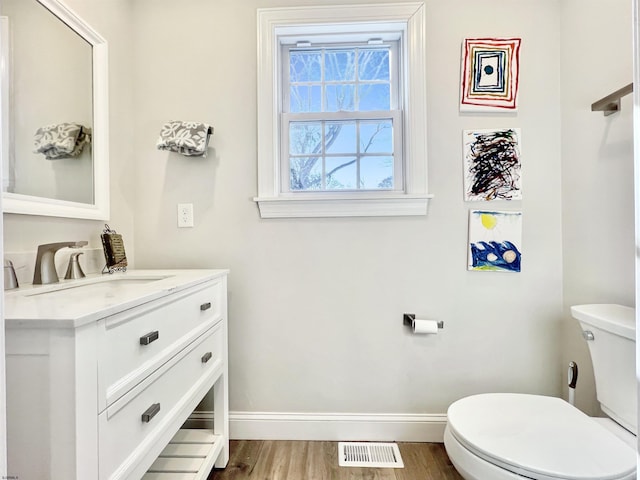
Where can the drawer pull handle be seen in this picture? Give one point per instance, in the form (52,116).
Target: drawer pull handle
(150,412)
(205,306)
(206,357)
(149,337)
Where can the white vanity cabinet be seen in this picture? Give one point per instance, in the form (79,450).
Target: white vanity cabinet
(101,376)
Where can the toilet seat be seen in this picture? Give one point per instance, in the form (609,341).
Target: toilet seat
(538,437)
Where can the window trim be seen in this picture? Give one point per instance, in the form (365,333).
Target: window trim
(274,23)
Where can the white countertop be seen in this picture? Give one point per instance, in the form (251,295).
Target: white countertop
(73,303)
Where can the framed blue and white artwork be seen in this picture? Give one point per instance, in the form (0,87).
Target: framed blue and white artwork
(495,241)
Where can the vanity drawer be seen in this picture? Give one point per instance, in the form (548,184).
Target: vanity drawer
(132,345)
(129,428)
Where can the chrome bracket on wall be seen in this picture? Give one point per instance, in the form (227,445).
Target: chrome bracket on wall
(408,318)
(611,103)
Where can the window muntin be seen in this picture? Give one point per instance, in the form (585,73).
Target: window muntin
(337,79)
(341,123)
(341,155)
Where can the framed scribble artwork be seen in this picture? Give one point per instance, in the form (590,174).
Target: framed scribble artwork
(490,69)
(495,240)
(492,165)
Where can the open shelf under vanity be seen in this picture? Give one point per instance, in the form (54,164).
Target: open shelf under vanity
(190,455)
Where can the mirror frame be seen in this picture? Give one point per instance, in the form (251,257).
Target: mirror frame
(31,205)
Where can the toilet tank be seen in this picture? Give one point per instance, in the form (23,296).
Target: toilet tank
(612,344)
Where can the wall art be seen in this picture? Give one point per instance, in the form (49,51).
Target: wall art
(490,74)
(495,240)
(492,166)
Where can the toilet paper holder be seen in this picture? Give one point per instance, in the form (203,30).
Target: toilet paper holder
(408,318)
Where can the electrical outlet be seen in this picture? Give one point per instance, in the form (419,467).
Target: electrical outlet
(185,215)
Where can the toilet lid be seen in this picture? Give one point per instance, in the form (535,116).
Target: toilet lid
(539,437)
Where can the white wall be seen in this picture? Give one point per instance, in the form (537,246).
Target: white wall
(597,171)
(316,305)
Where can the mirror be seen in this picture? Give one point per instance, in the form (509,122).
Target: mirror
(54,107)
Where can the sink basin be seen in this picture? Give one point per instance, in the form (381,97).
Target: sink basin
(92,286)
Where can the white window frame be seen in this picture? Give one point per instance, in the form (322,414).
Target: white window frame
(393,113)
(276,23)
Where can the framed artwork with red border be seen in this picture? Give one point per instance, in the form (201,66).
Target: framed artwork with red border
(489,74)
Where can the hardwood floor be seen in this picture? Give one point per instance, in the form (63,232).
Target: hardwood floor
(299,460)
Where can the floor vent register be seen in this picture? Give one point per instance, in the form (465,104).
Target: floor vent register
(369,454)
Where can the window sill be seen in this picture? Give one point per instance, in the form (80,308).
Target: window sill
(340,206)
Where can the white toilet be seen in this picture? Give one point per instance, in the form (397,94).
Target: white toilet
(498,436)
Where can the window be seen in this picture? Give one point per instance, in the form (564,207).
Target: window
(341,111)
(341,123)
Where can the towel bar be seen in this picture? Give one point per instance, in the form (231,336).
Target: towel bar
(611,103)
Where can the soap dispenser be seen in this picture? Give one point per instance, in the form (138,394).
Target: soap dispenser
(74,270)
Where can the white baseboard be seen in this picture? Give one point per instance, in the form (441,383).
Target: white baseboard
(337,426)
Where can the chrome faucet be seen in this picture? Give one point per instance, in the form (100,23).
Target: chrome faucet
(45,271)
